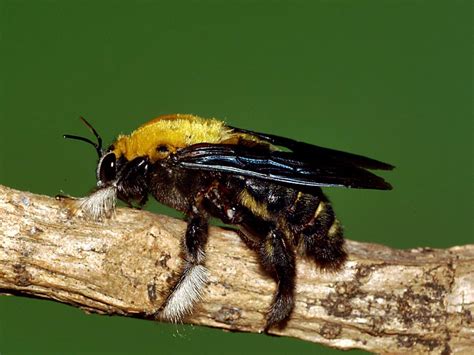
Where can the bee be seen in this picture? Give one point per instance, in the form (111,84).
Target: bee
(268,186)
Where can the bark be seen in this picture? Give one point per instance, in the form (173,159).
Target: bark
(383,300)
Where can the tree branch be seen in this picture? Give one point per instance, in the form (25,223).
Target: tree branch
(384,300)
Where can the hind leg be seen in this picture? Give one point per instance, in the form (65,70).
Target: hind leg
(274,250)
(278,258)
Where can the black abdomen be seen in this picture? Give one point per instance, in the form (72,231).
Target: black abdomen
(306,218)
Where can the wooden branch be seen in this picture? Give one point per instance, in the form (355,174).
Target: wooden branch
(384,300)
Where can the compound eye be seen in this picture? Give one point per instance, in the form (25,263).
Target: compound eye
(107,169)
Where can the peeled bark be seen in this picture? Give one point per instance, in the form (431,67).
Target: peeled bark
(383,300)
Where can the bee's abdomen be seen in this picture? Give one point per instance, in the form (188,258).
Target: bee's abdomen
(306,218)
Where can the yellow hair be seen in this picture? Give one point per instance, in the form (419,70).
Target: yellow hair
(173,131)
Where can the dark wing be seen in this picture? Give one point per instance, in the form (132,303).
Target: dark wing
(289,168)
(311,152)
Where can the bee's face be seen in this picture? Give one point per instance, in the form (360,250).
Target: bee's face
(107,170)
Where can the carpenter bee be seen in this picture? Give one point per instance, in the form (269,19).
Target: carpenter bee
(268,186)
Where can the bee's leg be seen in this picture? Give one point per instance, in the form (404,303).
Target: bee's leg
(277,256)
(132,186)
(142,202)
(248,238)
(193,278)
(322,238)
(62,197)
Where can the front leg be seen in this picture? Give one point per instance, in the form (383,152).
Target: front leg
(132,183)
(188,289)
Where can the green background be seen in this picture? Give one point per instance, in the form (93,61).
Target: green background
(388,79)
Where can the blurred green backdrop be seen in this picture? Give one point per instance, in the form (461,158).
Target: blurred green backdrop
(389,79)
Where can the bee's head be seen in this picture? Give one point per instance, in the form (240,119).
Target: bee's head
(107,169)
(100,203)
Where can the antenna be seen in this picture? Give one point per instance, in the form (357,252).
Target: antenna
(97,146)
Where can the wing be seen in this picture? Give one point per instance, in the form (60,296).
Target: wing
(289,168)
(310,152)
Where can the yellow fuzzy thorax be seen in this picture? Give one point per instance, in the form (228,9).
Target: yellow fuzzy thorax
(174,132)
